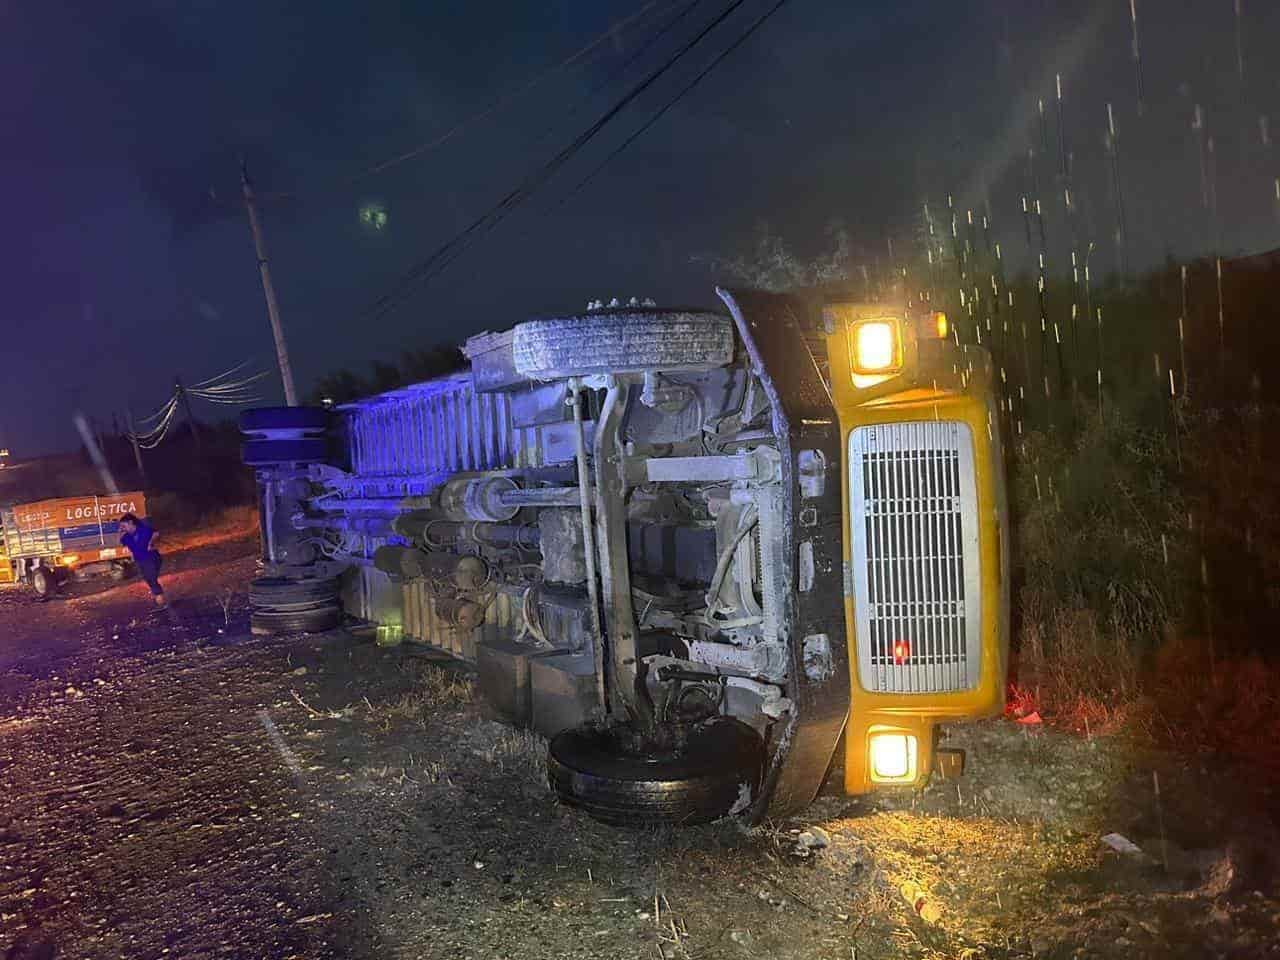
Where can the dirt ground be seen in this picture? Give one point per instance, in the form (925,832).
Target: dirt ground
(173,787)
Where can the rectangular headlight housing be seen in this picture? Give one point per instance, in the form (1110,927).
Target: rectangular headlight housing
(893,757)
(875,347)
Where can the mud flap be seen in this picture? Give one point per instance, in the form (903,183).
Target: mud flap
(812,619)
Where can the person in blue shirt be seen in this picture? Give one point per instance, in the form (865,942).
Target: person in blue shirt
(140,538)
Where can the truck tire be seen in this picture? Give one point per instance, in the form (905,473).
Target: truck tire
(620,341)
(258,453)
(313,619)
(43,583)
(120,571)
(275,593)
(718,773)
(265,419)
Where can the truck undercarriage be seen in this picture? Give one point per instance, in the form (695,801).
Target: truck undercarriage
(630,521)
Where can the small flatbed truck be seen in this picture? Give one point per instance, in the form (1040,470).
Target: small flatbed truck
(47,543)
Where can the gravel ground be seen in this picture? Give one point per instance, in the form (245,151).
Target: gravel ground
(176,788)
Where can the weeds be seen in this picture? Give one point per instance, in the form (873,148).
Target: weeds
(1100,527)
(523,753)
(1074,672)
(1229,705)
(1144,573)
(225,599)
(1100,548)
(434,688)
(185,528)
(439,686)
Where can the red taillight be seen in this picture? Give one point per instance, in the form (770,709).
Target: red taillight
(901,651)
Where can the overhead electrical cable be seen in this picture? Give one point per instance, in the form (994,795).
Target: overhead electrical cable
(222,376)
(234,401)
(159,414)
(229,387)
(626,65)
(449,251)
(492,108)
(676,99)
(152,439)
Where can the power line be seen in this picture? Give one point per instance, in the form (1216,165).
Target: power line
(222,376)
(450,250)
(621,70)
(674,100)
(475,118)
(608,81)
(220,389)
(159,413)
(229,386)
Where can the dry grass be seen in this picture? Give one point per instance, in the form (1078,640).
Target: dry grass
(230,523)
(1073,672)
(1092,681)
(434,688)
(521,752)
(1228,705)
(974,902)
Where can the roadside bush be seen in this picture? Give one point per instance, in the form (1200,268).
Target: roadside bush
(1199,699)
(1148,572)
(1100,563)
(1232,461)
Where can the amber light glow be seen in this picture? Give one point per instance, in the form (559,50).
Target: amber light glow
(893,756)
(875,346)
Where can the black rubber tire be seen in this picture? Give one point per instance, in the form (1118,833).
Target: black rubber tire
(313,619)
(273,593)
(588,771)
(43,583)
(256,453)
(284,418)
(618,341)
(120,571)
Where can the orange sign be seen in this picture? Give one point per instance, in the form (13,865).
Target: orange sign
(78,511)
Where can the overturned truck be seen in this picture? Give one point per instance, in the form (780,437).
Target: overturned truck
(697,550)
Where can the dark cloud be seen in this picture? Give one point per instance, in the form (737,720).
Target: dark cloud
(125,122)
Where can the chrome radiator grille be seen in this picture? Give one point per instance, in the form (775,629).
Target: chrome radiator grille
(915,573)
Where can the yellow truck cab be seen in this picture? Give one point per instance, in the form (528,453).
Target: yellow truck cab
(695,549)
(926,535)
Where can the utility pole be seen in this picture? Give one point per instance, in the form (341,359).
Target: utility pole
(137,450)
(186,410)
(268,290)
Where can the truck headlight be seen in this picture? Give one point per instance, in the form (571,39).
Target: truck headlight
(875,347)
(893,757)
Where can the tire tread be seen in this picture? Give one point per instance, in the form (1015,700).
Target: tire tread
(622,341)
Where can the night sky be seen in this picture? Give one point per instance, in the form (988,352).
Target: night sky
(128,258)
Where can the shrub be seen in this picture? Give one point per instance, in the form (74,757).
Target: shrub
(1100,525)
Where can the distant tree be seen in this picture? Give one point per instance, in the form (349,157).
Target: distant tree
(419,365)
(339,386)
(414,366)
(770,264)
(386,376)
